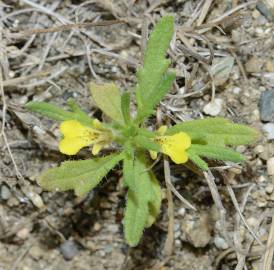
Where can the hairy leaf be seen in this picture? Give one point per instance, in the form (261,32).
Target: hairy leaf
(155,62)
(197,160)
(108,99)
(136,217)
(56,113)
(147,143)
(216,152)
(138,200)
(155,205)
(218,131)
(156,96)
(125,106)
(128,171)
(80,176)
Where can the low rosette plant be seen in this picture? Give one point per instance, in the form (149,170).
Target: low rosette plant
(136,145)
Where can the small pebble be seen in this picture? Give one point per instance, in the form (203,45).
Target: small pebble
(69,249)
(23,233)
(259,149)
(36,252)
(220,243)
(269,189)
(36,199)
(270,166)
(5,193)
(108,248)
(265,7)
(182,211)
(266,105)
(269,129)
(214,107)
(97,227)
(261,179)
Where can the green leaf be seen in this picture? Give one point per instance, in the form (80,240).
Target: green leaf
(77,110)
(128,171)
(136,217)
(155,205)
(125,106)
(156,96)
(146,143)
(218,131)
(155,62)
(138,200)
(80,176)
(197,160)
(108,99)
(54,112)
(215,152)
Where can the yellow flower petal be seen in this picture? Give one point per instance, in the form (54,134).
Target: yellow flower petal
(71,128)
(96,148)
(175,146)
(71,146)
(153,154)
(76,136)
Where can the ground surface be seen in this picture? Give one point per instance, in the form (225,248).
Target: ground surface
(50,231)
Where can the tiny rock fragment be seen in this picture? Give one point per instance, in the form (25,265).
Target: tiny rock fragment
(182,211)
(270,166)
(269,130)
(23,233)
(5,193)
(220,243)
(197,230)
(254,65)
(36,199)
(214,107)
(267,106)
(221,69)
(266,8)
(69,249)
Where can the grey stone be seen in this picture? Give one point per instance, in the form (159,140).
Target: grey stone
(265,9)
(69,249)
(269,130)
(267,106)
(5,193)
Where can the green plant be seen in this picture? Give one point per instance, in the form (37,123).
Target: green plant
(208,138)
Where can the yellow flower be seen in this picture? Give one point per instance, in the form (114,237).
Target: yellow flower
(77,136)
(174,145)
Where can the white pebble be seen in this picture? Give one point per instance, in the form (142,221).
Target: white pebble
(36,199)
(269,129)
(214,107)
(220,243)
(182,211)
(270,166)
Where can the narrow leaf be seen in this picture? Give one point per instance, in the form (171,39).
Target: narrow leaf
(136,217)
(128,172)
(80,176)
(216,152)
(125,106)
(54,112)
(155,62)
(218,131)
(155,205)
(77,110)
(197,160)
(108,99)
(156,95)
(137,208)
(146,143)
